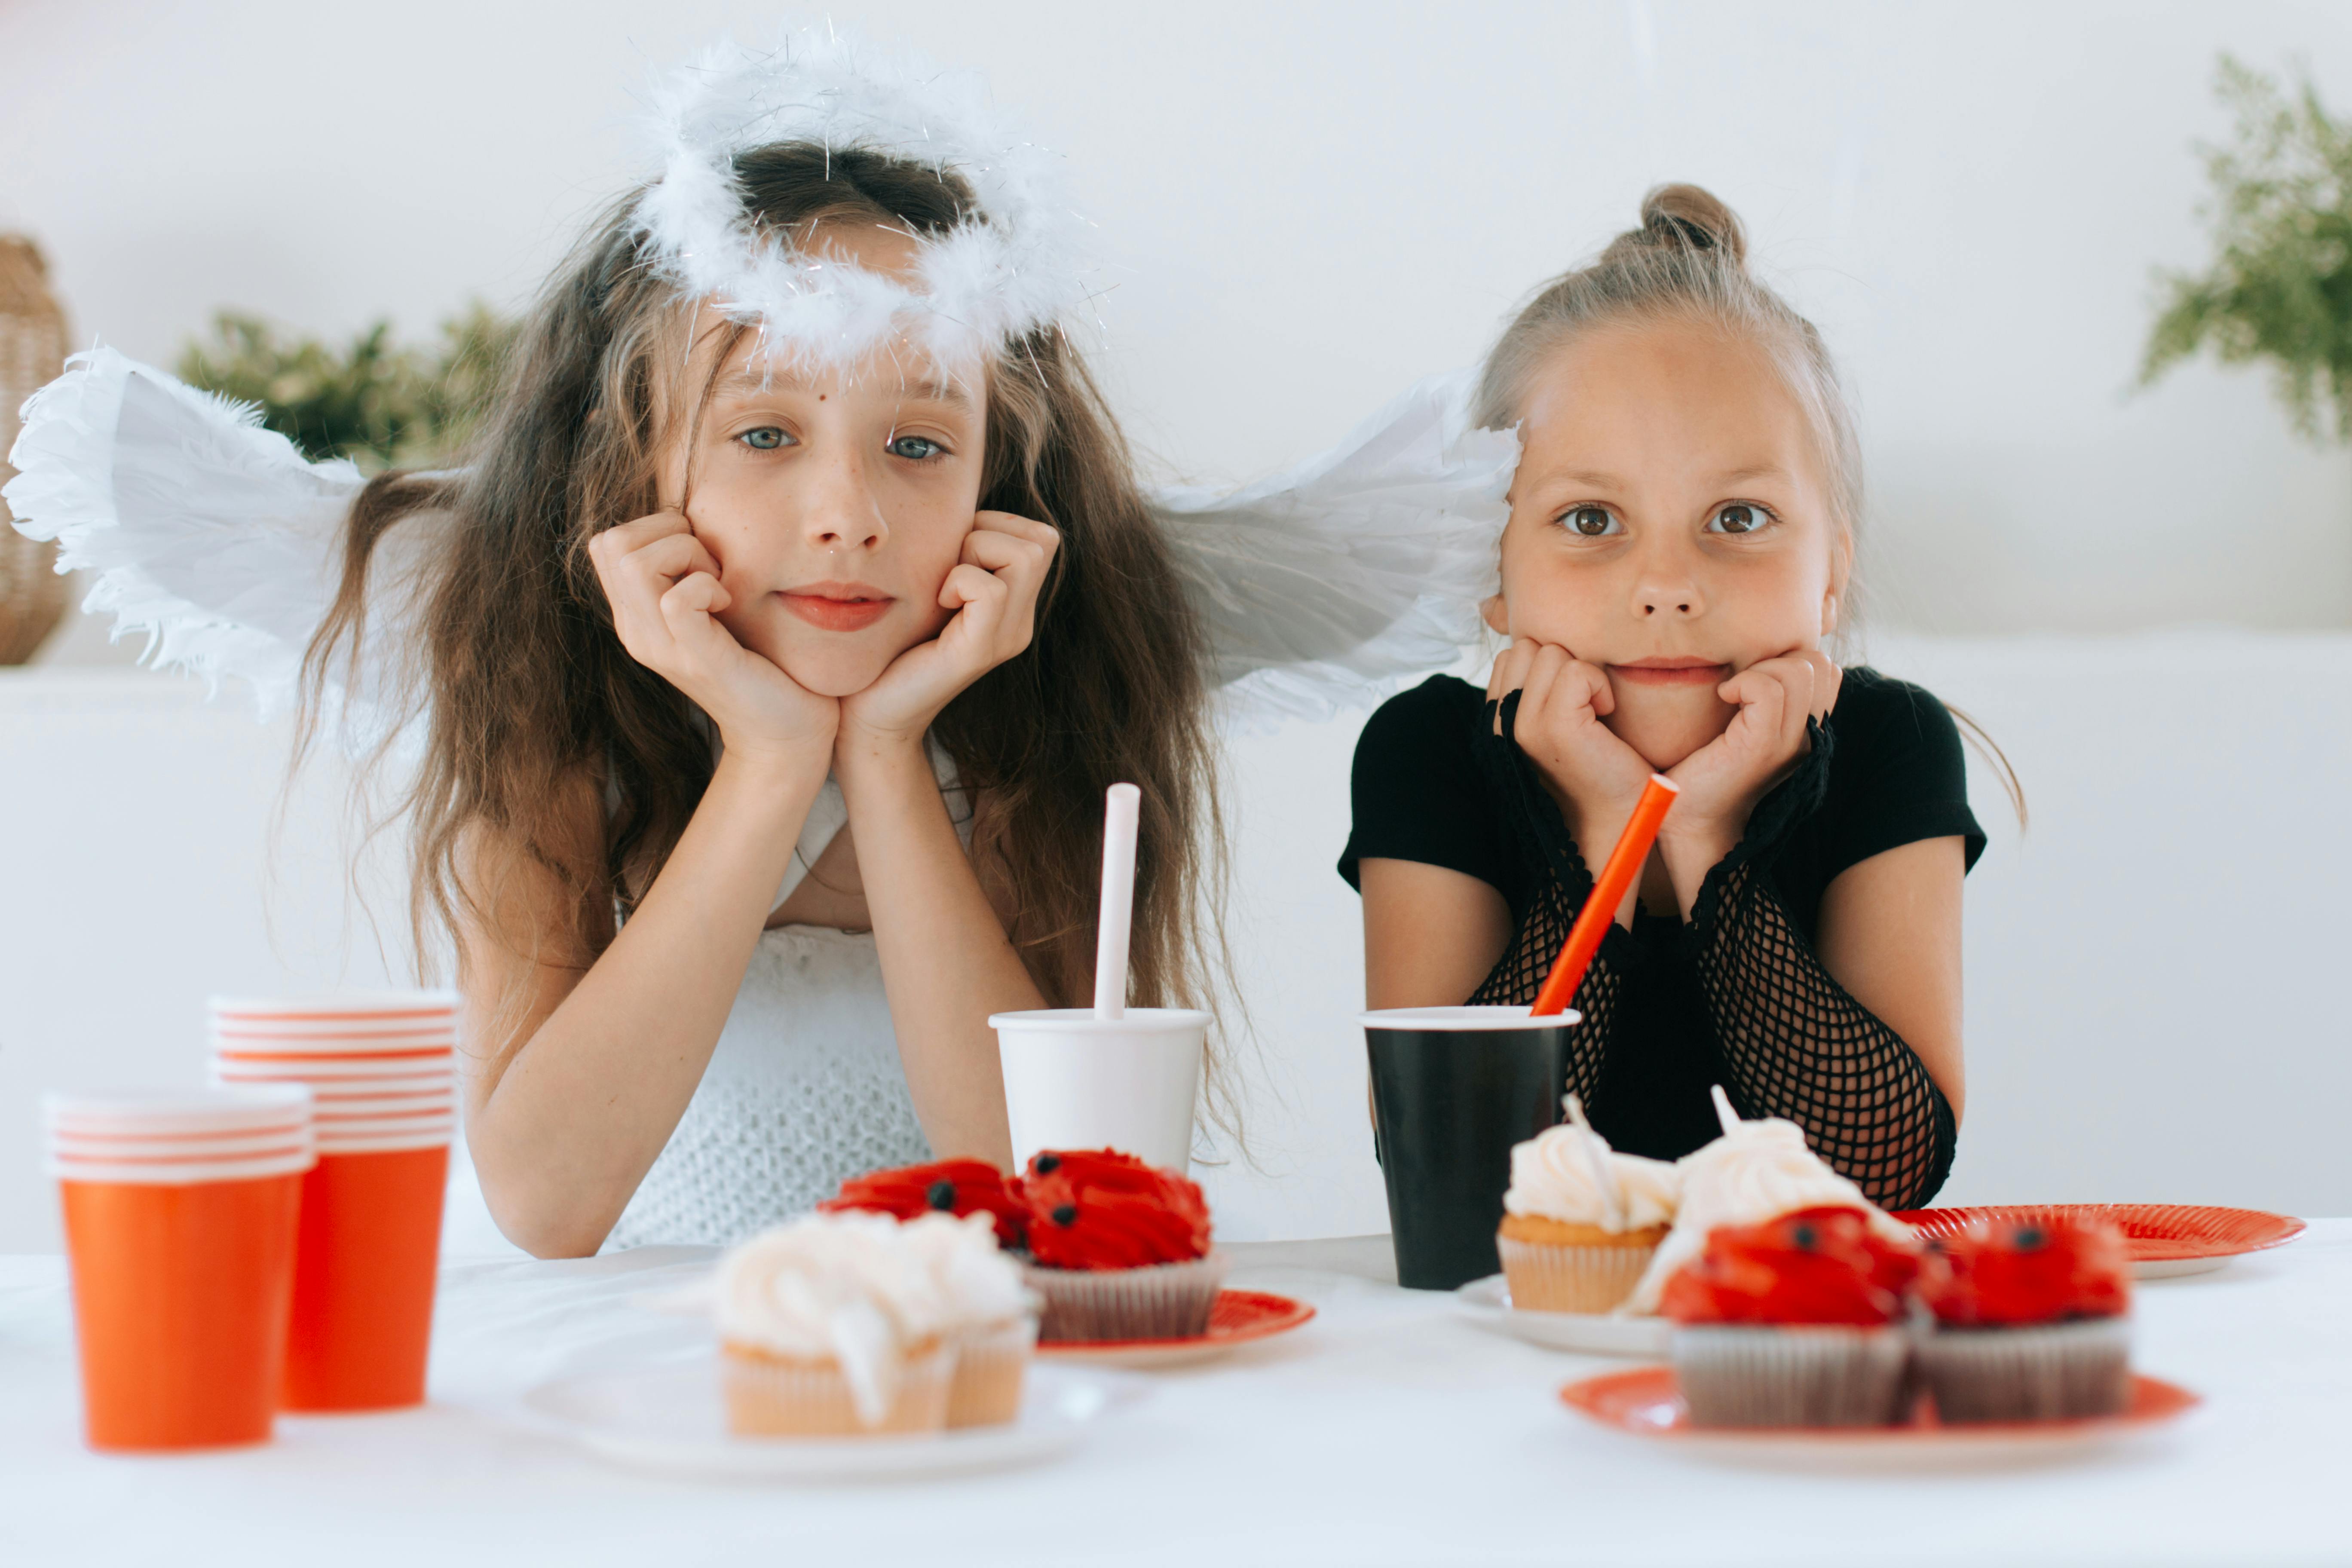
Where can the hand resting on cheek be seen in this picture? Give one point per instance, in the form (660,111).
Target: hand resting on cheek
(663,585)
(992,592)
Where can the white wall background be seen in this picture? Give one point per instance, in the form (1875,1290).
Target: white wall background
(1307,206)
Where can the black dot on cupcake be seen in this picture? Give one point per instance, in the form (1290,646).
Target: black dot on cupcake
(1804,1239)
(1066,1215)
(2030,1237)
(941,1197)
(1046,1165)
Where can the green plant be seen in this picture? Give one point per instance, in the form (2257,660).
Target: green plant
(378,404)
(2280,287)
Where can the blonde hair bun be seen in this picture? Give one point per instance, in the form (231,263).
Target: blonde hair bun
(1683,217)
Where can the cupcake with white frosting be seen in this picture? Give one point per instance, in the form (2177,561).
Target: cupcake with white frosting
(1581,1220)
(1757,1171)
(833,1326)
(988,1314)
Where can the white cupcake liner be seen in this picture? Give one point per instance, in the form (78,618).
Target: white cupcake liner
(1545,1278)
(1160,1302)
(2056,1371)
(771,1396)
(991,1365)
(1807,1374)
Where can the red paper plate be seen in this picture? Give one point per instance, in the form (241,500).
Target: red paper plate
(1238,1317)
(1648,1403)
(2158,1232)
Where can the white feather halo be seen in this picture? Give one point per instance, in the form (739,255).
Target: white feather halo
(1015,265)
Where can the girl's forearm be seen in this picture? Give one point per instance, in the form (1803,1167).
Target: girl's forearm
(584,1108)
(946,962)
(1690,855)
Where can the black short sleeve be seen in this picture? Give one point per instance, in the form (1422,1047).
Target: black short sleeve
(1900,774)
(1417,792)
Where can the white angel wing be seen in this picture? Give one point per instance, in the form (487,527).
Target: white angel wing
(1326,586)
(216,537)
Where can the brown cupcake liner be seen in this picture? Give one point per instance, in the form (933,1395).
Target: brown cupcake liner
(1803,1374)
(775,1396)
(990,1365)
(1161,1301)
(2057,1372)
(1548,1278)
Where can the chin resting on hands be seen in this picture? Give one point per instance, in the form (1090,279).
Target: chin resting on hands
(664,588)
(1723,779)
(992,590)
(1562,701)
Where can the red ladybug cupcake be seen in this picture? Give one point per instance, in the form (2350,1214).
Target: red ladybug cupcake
(956,1187)
(2032,1322)
(1120,1250)
(1794,1322)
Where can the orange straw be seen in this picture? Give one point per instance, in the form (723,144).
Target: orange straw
(1600,910)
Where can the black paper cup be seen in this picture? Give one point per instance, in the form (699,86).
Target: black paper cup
(1453,1090)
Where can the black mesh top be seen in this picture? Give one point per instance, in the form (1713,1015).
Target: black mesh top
(1734,996)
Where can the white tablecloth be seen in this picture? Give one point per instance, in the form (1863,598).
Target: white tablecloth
(1387,1431)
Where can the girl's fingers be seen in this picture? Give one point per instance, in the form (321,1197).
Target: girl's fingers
(1763,700)
(1035,533)
(672,556)
(697,594)
(631,587)
(1543,674)
(1509,674)
(1828,681)
(977,597)
(1019,561)
(642,531)
(1598,694)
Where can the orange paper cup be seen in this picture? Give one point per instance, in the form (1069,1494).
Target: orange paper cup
(181,1259)
(363,1279)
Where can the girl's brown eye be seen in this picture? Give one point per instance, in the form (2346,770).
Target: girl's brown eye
(1739,518)
(1591,521)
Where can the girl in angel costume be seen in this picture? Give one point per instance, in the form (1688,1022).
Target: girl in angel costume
(756,685)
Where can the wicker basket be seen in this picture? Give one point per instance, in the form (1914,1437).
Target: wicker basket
(32,354)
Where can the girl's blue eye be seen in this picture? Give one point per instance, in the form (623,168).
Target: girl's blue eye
(766,438)
(1738,517)
(1591,521)
(917,448)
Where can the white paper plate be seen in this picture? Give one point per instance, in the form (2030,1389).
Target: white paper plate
(669,1418)
(1487,1303)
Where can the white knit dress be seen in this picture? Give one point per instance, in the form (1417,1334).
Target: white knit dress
(804,1088)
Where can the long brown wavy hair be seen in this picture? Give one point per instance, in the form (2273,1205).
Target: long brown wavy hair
(522,692)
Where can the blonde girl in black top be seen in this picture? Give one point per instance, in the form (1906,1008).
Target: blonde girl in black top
(1677,563)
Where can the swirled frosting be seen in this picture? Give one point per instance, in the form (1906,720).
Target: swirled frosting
(1552,1178)
(944,1186)
(1098,1208)
(846,1287)
(978,1285)
(1759,1170)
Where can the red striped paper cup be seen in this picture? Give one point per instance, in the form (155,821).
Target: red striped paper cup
(383,1069)
(180,1216)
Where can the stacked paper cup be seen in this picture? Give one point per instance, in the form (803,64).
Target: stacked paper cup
(381,1068)
(180,1215)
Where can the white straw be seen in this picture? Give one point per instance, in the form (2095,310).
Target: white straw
(1722,1111)
(1119,811)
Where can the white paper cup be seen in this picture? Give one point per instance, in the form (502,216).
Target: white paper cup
(339,1006)
(1076,1082)
(179,1138)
